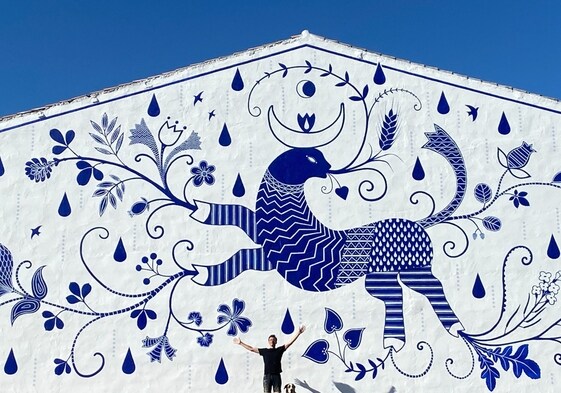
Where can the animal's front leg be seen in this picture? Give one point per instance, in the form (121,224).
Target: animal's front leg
(217,214)
(246,259)
(385,286)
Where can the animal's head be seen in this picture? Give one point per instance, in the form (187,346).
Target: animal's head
(290,388)
(297,165)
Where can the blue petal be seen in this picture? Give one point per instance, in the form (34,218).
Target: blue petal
(58,149)
(59,323)
(84,176)
(83,165)
(56,136)
(69,137)
(243,324)
(38,284)
(224,308)
(72,299)
(238,306)
(333,321)
(24,306)
(232,330)
(141,321)
(49,324)
(353,337)
(74,288)
(86,289)
(317,352)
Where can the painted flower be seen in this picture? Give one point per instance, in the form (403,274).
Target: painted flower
(39,169)
(205,340)
(544,285)
(551,298)
(142,317)
(519,198)
(203,174)
(553,288)
(536,290)
(545,276)
(195,317)
(160,344)
(62,366)
(233,317)
(52,321)
(86,172)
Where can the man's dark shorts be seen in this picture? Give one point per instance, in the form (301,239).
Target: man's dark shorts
(271,381)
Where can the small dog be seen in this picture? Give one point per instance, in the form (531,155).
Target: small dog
(289,388)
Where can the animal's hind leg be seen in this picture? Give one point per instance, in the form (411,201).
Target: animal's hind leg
(423,281)
(385,286)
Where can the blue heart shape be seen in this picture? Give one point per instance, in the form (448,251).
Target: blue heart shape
(342,192)
(317,352)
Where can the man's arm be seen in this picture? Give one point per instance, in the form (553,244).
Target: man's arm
(295,336)
(246,346)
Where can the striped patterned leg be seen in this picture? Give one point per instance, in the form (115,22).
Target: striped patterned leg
(247,259)
(385,286)
(422,281)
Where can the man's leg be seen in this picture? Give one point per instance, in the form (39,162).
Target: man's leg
(267,383)
(276,382)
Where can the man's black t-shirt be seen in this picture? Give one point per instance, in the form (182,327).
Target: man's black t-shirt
(272,359)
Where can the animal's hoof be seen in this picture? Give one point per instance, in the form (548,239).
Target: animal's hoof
(201,277)
(394,343)
(456,328)
(202,212)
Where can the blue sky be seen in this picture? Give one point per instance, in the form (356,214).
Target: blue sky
(55,50)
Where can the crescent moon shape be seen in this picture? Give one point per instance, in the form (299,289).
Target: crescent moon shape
(296,138)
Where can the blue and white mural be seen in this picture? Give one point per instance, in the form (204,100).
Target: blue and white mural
(410,218)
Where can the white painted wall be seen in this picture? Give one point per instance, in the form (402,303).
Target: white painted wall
(79,247)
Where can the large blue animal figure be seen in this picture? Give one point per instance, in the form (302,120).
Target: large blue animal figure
(314,257)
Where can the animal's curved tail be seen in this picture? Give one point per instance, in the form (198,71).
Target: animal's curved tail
(440,142)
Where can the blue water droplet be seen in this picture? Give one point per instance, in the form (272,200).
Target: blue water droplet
(64,208)
(553,249)
(221,376)
(154,107)
(120,253)
(225,139)
(2,170)
(379,76)
(418,171)
(504,127)
(11,366)
(287,324)
(129,366)
(443,107)
(478,290)
(237,82)
(239,188)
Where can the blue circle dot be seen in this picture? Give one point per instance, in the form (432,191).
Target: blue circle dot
(309,89)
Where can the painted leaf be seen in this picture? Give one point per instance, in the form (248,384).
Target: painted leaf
(317,352)
(501,156)
(38,284)
(74,288)
(69,137)
(353,337)
(56,136)
(483,193)
(58,149)
(362,371)
(24,306)
(557,178)
(492,224)
(333,321)
(86,289)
